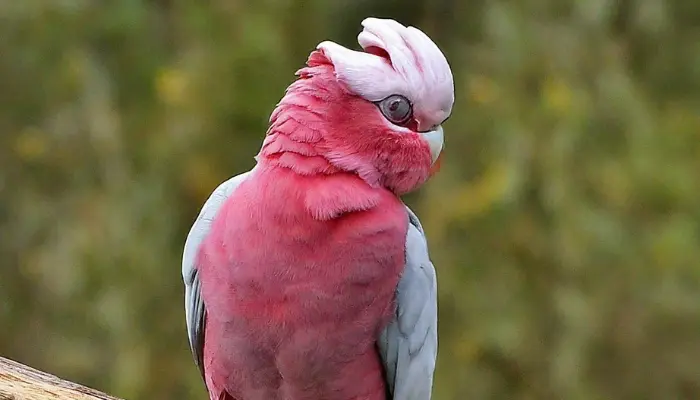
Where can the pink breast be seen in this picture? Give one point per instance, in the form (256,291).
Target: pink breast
(295,304)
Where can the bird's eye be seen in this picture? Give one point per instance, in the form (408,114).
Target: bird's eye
(397,109)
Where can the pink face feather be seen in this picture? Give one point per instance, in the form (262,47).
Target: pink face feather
(338,115)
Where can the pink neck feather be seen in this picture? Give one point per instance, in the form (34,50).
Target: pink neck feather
(295,142)
(295,138)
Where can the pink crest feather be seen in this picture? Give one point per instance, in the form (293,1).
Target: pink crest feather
(397,60)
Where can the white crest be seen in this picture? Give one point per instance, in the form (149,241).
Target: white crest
(416,68)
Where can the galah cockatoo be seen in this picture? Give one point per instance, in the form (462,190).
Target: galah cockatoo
(307,278)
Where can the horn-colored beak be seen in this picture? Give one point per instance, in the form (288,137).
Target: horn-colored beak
(435,139)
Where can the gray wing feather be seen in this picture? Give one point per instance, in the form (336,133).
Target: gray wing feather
(408,345)
(194,304)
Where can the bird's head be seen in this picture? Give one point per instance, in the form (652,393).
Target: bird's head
(377,113)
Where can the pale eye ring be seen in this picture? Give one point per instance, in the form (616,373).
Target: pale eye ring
(396,108)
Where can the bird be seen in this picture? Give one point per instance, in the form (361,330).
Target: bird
(307,277)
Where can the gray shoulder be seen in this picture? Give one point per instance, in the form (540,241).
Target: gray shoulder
(408,346)
(194,304)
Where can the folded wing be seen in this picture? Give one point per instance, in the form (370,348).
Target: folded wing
(408,346)
(194,304)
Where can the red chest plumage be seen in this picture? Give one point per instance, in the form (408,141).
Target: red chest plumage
(294,303)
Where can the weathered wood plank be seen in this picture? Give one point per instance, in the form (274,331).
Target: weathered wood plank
(20,382)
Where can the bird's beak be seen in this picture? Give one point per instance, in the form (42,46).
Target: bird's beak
(435,139)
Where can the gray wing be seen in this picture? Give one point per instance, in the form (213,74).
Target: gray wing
(194,304)
(408,346)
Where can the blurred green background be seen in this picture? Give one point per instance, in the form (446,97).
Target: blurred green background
(565,223)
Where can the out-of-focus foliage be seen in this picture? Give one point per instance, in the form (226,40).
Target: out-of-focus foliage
(565,223)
